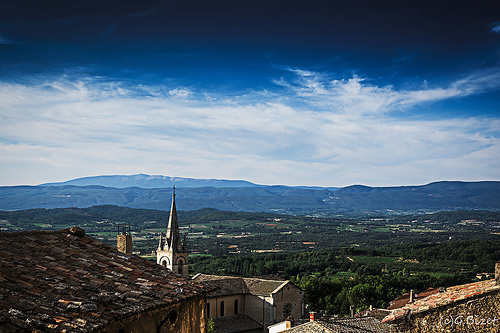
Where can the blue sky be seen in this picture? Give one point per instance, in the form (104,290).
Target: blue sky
(328,93)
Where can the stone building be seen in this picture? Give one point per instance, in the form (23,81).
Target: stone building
(61,281)
(172,253)
(256,302)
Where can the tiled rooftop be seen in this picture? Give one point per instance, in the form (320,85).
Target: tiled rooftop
(263,287)
(341,325)
(375,313)
(222,285)
(66,280)
(238,323)
(228,285)
(405,298)
(449,296)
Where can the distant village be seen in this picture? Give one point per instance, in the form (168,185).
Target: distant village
(67,281)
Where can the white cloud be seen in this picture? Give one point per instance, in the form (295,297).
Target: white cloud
(180,92)
(324,132)
(357,95)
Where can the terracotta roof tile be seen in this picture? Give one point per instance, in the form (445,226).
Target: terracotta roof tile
(405,298)
(68,280)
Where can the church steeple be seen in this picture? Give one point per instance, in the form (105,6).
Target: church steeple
(173,238)
(171,253)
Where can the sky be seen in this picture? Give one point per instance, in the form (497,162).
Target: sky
(296,92)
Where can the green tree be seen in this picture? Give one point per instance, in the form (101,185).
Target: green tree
(211,326)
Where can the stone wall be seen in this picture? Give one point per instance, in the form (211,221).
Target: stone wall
(475,314)
(291,298)
(229,310)
(185,317)
(254,310)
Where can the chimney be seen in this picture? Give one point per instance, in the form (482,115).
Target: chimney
(124,240)
(289,322)
(411,296)
(497,273)
(312,316)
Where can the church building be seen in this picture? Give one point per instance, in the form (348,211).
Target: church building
(172,253)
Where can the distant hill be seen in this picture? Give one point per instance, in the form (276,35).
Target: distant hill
(152,181)
(439,196)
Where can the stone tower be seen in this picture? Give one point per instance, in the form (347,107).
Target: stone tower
(172,253)
(124,240)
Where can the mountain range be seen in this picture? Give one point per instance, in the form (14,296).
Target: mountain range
(159,181)
(154,192)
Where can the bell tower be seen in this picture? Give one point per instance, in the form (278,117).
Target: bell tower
(172,253)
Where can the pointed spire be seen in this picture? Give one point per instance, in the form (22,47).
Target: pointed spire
(161,244)
(184,243)
(173,238)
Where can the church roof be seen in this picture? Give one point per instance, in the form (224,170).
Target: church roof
(66,280)
(222,285)
(229,285)
(263,287)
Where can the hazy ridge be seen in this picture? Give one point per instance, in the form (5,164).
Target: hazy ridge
(154,192)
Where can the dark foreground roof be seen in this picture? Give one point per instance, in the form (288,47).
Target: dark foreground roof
(67,280)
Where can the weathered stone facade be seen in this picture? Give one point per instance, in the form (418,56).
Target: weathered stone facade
(286,303)
(474,314)
(472,307)
(124,243)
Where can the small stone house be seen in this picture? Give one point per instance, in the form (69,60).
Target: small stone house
(258,302)
(62,281)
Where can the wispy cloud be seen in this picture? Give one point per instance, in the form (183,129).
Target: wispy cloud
(358,95)
(5,40)
(322,131)
(496,27)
